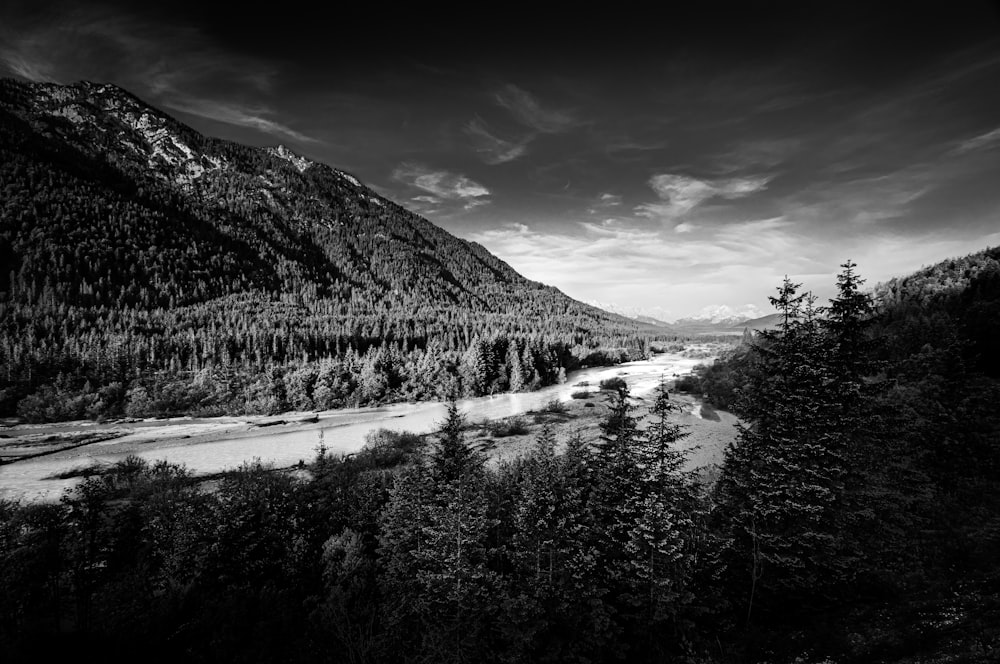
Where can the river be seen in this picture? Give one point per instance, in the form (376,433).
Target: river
(210,445)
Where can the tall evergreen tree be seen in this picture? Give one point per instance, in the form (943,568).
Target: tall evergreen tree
(783,477)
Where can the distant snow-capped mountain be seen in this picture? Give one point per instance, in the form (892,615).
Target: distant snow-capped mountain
(652,315)
(723,315)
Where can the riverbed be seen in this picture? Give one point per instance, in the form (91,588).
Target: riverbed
(211,445)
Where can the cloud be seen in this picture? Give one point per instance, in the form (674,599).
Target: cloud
(527,109)
(173,65)
(441,187)
(633,265)
(732,264)
(864,200)
(983,141)
(679,194)
(626,144)
(755,154)
(495,150)
(250,117)
(605,203)
(40,72)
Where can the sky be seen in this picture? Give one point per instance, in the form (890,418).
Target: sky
(664,162)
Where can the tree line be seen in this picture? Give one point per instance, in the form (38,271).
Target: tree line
(853,519)
(123,275)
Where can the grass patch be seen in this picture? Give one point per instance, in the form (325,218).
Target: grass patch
(509,426)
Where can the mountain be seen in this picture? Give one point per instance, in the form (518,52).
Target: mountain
(652,321)
(948,309)
(139,250)
(721,315)
(768,322)
(651,315)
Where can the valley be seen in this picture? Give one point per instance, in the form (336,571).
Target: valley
(209,446)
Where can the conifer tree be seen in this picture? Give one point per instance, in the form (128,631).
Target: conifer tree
(453,458)
(668,526)
(783,477)
(517,381)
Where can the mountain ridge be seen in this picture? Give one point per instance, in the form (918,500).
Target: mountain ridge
(131,234)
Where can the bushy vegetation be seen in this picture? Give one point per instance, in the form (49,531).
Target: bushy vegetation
(611,384)
(555,406)
(509,426)
(372,552)
(852,520)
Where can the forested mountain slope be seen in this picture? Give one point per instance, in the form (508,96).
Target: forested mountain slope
(138,253)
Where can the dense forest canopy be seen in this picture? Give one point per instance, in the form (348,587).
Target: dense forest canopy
(855,518)
(150,270)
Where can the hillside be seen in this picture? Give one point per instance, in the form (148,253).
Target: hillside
(950,307)
(142,253)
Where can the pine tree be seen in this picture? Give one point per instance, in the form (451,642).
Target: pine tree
(783,478)
(402,539)
(454,459)
(434,545)
(515,370)
(668,527)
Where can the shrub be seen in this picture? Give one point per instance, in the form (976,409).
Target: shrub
(510,426)
(688,383)
(556,406)
(385,448)
(581,394)
(613,383)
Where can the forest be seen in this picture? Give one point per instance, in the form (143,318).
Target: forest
(855,518)
(133,288)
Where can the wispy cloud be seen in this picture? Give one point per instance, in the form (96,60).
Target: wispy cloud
(732,264)
(492,148)
(863,200)
(754,154)
(983,141)
(628,145)
(679,194)
(530,112)
(635,265)
(441,187)
(251,117)
(173,65)
(605,203)
(527,111)
(24,67)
